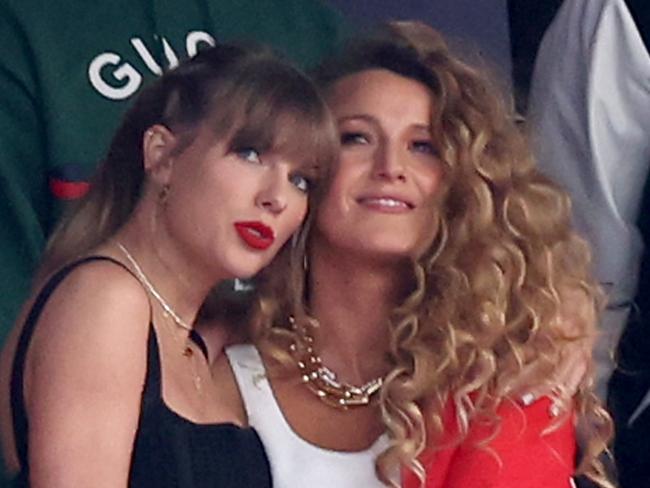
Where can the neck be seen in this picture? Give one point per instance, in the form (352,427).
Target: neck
(352,299)
(166,267)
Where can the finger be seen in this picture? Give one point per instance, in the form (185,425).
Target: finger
(570,374)
(575,377)
(566,380)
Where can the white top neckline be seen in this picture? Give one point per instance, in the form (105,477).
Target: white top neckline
(296,462)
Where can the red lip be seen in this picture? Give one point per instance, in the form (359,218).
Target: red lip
(255,234)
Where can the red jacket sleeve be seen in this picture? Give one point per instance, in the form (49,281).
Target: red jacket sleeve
(520,455)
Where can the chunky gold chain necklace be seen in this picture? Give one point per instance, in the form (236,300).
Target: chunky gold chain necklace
(168,312)
(322,381)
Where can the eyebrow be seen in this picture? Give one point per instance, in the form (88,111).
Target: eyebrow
(422,127)
(365,117)
(373,120)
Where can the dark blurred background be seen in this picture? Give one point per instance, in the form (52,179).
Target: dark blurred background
(505,32)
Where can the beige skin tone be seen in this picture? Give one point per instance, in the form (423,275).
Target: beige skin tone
(83,393)
(357,262)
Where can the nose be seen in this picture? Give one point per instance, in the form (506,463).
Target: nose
(388,163)
(272,196)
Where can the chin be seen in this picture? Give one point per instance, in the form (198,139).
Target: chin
(243,272)
(385,254)
(248,268)
(246,275)
(243,263)
(389,246)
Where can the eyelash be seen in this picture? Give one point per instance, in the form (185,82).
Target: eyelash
(246,153)
(357,137)
(425,147)
(252,155)
(354,138)
(304,185)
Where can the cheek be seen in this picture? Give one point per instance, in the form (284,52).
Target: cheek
(340,188)
(429,227)
(300,214)
(430,181)
(294,215)
(330,210)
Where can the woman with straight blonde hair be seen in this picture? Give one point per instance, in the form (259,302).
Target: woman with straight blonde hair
(105,382)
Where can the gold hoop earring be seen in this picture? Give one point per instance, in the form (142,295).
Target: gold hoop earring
(295,241)
(163,195)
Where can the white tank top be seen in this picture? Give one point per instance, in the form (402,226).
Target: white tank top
(296,463)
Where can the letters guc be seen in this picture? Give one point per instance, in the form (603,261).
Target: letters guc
(123,80)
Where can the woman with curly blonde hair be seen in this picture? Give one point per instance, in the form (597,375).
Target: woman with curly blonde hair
(437,276)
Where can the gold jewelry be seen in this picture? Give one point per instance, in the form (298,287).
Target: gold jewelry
(163,195)
(323,382)
(168,312)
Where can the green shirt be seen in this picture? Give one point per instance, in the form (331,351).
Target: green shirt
(69,68)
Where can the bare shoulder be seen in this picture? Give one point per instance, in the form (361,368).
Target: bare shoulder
(103,281)
(94,296)
(96,320)
(84,376)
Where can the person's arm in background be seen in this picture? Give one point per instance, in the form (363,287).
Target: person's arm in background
(303,30)
(589,118)
(23,179)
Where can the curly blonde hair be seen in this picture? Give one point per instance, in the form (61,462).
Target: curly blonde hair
(492,293)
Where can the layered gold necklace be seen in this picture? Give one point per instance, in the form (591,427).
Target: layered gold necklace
(322,381)
(168,313)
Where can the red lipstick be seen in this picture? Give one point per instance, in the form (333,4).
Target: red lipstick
(255,234)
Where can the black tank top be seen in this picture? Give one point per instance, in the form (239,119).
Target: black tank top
(169,451)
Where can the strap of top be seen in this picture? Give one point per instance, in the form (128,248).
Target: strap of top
(262,409)
(198,340)
(152,392)
(254,387)
(18,411)
(294,460)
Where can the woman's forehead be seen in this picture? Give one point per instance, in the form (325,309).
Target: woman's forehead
(381,97)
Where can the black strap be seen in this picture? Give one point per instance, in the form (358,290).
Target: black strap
(152,390)
(640,11)
(18,411)
(198,340)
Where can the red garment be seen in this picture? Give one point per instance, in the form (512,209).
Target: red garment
(519,456)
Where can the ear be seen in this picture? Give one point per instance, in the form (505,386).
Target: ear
(158,144)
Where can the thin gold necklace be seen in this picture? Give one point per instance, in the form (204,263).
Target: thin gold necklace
(168,312)
(322,381)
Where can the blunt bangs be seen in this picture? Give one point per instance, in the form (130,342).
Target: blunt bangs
(271,106)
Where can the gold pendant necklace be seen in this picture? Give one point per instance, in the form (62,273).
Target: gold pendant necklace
(168,313)
(322,381)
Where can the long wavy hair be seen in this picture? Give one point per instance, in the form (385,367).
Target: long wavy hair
(506,284)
